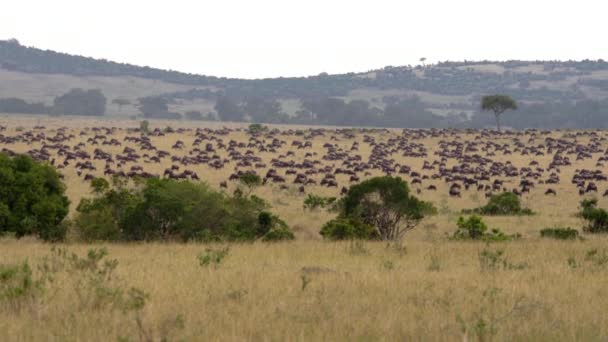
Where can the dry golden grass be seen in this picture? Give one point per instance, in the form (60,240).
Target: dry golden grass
(436,290)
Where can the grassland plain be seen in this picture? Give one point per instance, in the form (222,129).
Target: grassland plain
(312,290)
(431,288)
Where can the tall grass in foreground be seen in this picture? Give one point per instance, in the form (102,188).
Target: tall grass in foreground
(535,289)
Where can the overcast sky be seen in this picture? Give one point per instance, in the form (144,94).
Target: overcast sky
(269,38)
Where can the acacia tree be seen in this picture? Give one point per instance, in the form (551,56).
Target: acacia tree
(251,181)
(498,104)
(386,204)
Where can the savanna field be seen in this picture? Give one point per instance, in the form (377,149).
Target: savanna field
(427,287)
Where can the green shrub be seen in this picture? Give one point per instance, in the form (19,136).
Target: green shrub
(597,218)
(100,185)
(250,180)
(169,210)
(257,128)
(347,229)
(278,234)
(473,228)
(32,199)
(313,201)
(506,203)
(384,203)
(272,228)
(99,219)
(560,233)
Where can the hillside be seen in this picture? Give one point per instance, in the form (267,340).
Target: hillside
(551,94)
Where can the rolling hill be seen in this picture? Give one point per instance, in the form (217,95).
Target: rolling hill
(551,94)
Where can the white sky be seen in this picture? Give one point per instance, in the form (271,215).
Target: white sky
(269,38)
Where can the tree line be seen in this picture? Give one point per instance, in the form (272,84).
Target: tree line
(392,111)
(445,78)
(77,101)
(324,99)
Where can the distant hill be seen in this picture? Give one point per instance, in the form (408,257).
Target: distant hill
(551,94)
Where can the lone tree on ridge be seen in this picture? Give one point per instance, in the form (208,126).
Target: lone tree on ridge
(498,104)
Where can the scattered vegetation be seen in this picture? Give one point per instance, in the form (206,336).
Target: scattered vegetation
(506,203)
(347,229)
(313,202)
(250,180)
(596,218)
(213,256)
(473,228)
(493,260)
(91,280)
(560,233)
(257,128)
(598,258)
(17,286)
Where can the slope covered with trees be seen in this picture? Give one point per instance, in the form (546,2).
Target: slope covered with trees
(552,94)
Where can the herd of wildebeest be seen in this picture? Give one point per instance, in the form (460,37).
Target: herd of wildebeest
(465,160)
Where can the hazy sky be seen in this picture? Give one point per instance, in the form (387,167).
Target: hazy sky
(268,38)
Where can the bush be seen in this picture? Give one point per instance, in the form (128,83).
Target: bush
(313,201)
(384,203)
(560,233)
(257,128)
(597,218)
(32,199)
(473,228)
(490,260)
(347,229)
(278,234)
(250,180)
(99,219)
(506,203)
(272,228)
(170,210)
